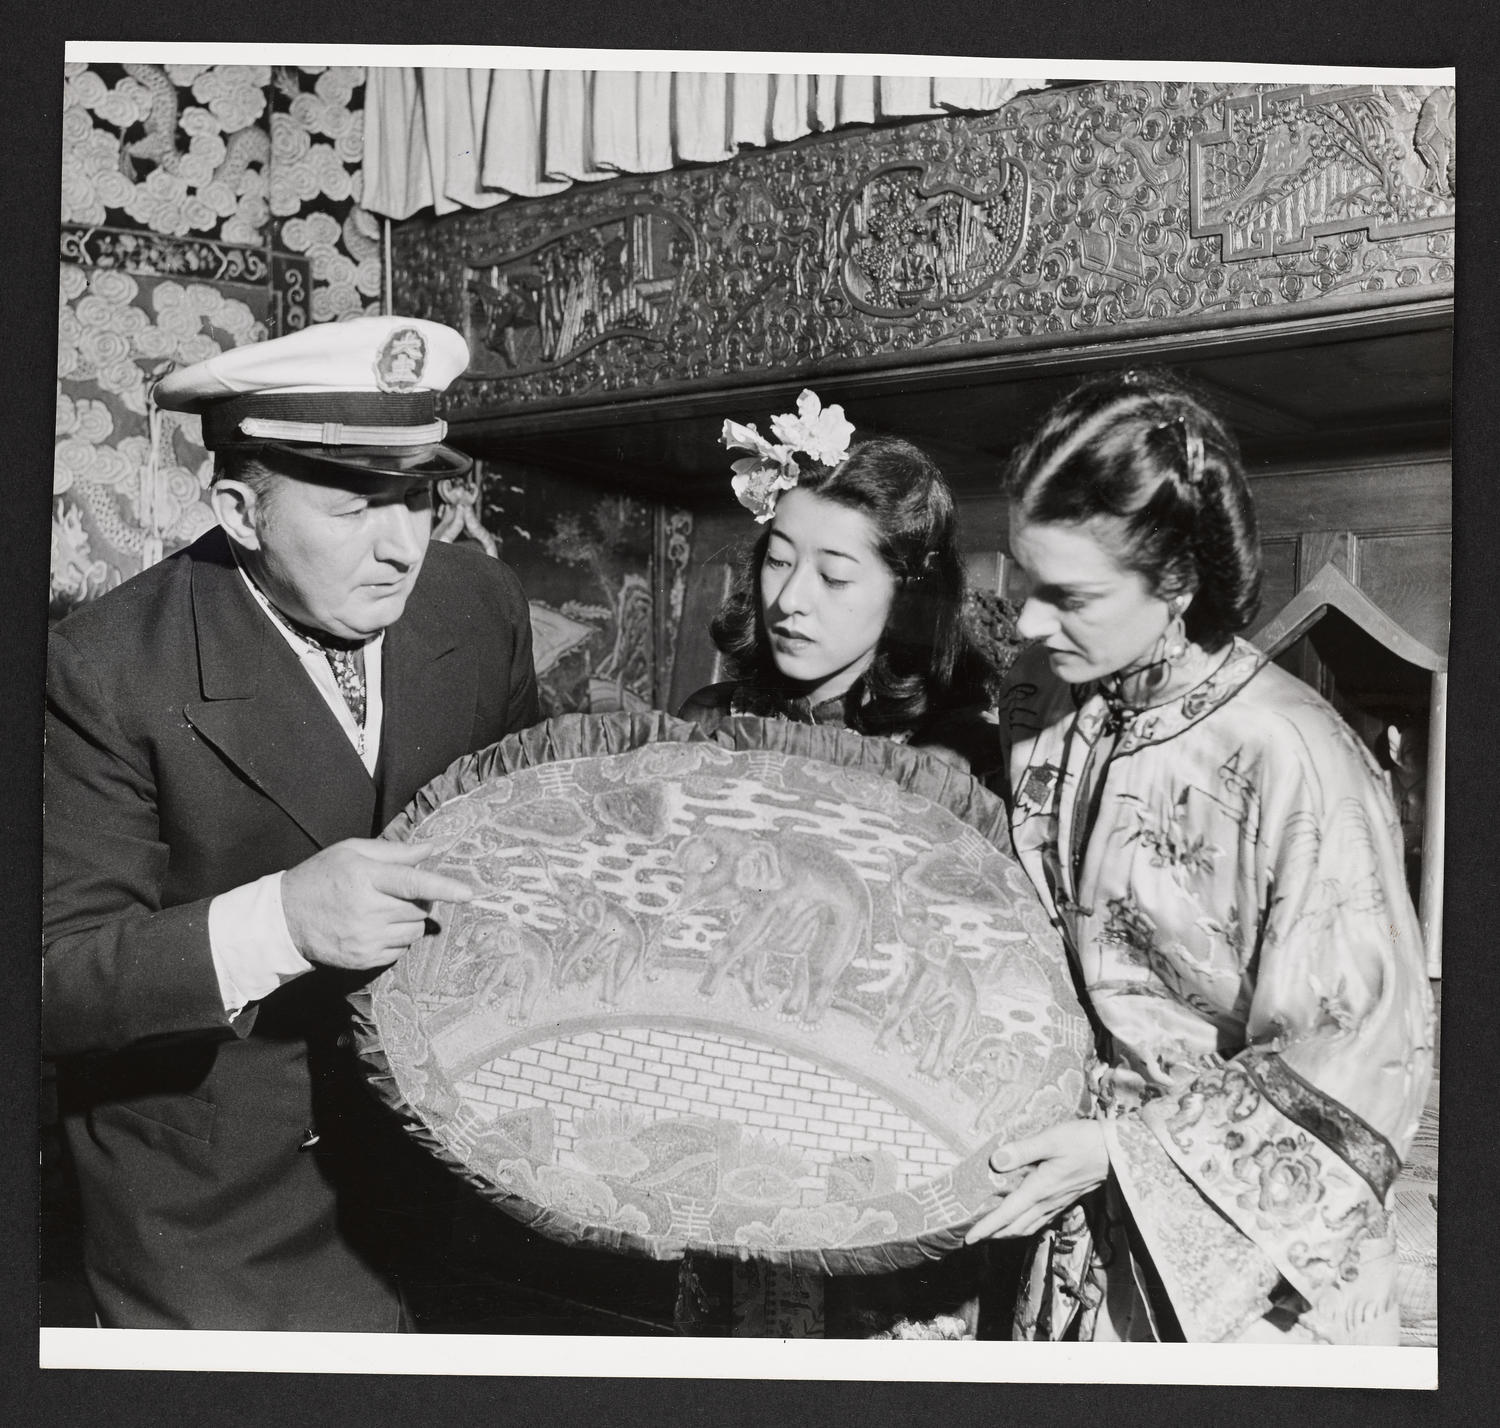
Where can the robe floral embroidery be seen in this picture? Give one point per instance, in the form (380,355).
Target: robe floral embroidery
(1228,870)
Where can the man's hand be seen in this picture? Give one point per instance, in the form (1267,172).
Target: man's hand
(361,903)
(1066,1163)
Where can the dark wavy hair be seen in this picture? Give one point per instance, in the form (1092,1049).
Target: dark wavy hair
(1145,448)
(927,660)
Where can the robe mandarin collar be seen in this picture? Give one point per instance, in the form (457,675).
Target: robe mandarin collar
(1156,723)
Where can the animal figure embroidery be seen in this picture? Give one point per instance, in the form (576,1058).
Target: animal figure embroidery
(996,1062)
(611,939)
(793,896)
(511,959)
(939,1003)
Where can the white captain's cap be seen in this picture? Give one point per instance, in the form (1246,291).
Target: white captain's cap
(360,394)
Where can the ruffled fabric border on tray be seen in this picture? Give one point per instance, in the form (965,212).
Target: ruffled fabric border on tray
(580,736)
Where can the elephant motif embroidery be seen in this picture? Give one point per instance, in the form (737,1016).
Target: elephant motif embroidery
(610,940)
(508,959)
(791,897)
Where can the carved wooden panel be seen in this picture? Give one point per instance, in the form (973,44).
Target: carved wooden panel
(1292,165)
(1102,210)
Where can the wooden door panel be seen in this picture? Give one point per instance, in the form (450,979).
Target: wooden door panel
(1410,576)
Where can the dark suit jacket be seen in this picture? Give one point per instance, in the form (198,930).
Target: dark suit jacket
(188,753)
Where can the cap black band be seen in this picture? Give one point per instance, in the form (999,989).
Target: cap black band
(221,421)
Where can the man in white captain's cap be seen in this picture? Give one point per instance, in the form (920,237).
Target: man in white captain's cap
(226,734)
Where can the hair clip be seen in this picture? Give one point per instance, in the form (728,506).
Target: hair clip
(818,432)
(1192,444)
(1192,447)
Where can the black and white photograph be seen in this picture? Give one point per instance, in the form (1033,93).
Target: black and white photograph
(791,700)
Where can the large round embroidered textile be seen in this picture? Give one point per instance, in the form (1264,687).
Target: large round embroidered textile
(773,993)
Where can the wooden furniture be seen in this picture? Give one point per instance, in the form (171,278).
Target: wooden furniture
(1335,658)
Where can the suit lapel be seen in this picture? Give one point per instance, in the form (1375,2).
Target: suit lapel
(429,689)
(262,713)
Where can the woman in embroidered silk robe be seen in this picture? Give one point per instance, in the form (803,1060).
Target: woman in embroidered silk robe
(1225,862)
(848,610)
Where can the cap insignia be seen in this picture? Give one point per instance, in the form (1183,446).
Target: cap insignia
(399,363)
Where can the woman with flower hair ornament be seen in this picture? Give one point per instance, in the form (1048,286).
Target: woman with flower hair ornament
(848,609)
(1224,861)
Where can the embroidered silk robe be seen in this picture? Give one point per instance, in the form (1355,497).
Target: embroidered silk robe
(1227,868)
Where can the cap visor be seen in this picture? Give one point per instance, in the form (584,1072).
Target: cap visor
(420,462)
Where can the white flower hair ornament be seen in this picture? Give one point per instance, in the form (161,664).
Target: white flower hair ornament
(819,433)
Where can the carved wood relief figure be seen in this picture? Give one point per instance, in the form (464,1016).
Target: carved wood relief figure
(908,243)
(1295,164)
(613,278)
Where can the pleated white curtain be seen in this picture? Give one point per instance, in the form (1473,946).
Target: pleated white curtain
(469,138)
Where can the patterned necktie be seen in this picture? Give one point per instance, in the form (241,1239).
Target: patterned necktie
(349,671)
(347,663)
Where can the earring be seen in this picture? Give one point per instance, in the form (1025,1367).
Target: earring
(1174,638)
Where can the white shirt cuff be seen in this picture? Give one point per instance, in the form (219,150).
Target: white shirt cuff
(252,949)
